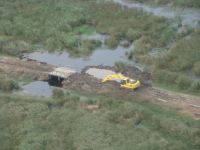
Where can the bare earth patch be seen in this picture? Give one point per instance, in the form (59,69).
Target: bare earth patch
(35,70)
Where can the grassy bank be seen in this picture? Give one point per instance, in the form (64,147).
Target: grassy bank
(180,65)
(68,121)
(177,66)
(59,25)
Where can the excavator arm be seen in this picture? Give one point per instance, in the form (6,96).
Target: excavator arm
(113,77)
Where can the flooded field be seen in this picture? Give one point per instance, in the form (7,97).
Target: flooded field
(189,17)
(101,56)
(105,56)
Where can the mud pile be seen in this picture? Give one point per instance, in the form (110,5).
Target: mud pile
(85,82)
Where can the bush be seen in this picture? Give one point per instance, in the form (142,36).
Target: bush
(167,35)
(183,82)
(90,44)
(119,66)
(6,27)
(195,86)
(132,35)
(78,22)
(65,28)
(112,42)
(164,76)
(70,41)
(141,47)
(196,68)
(114,117)
(58,93)
(8,84)
(138,119)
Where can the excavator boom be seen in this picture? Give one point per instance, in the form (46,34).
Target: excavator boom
(113,77)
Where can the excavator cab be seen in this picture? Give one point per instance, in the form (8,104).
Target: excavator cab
(130,83)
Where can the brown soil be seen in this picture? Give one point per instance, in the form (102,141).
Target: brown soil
(28,68)
(186,104)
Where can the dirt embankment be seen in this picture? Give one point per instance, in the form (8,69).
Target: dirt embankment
(29,68)
(186,104)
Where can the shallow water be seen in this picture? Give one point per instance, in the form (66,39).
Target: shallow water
(159,11)
(190,17)
(38,88)
(101,56)
(97,36)
(106,56)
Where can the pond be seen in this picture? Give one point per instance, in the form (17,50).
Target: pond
(105,57)
(101,56)
(38,88)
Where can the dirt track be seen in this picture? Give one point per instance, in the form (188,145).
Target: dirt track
(29,68)
(186,104)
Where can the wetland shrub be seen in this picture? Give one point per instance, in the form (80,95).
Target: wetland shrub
(196,68)
(90,44)
(58,93)
(181,59)
(112,42)
(133,35)
(7,84)
(64,22)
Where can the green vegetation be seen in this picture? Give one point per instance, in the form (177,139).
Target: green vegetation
(177,66)
(66,122)
(7,84)
(86,121)
(59,25)
(112,42)
(183,3)
(180,65)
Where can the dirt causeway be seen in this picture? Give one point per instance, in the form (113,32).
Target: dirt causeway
(30,68)
(186,104)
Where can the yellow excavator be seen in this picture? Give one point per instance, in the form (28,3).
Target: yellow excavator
(125,82)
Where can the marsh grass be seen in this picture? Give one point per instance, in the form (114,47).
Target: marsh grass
(7,84)
(123,122)
(59,25)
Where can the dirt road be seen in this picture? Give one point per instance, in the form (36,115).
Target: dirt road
(186,104)
(28,68)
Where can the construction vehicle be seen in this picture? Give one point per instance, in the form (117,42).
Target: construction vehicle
(125,82)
